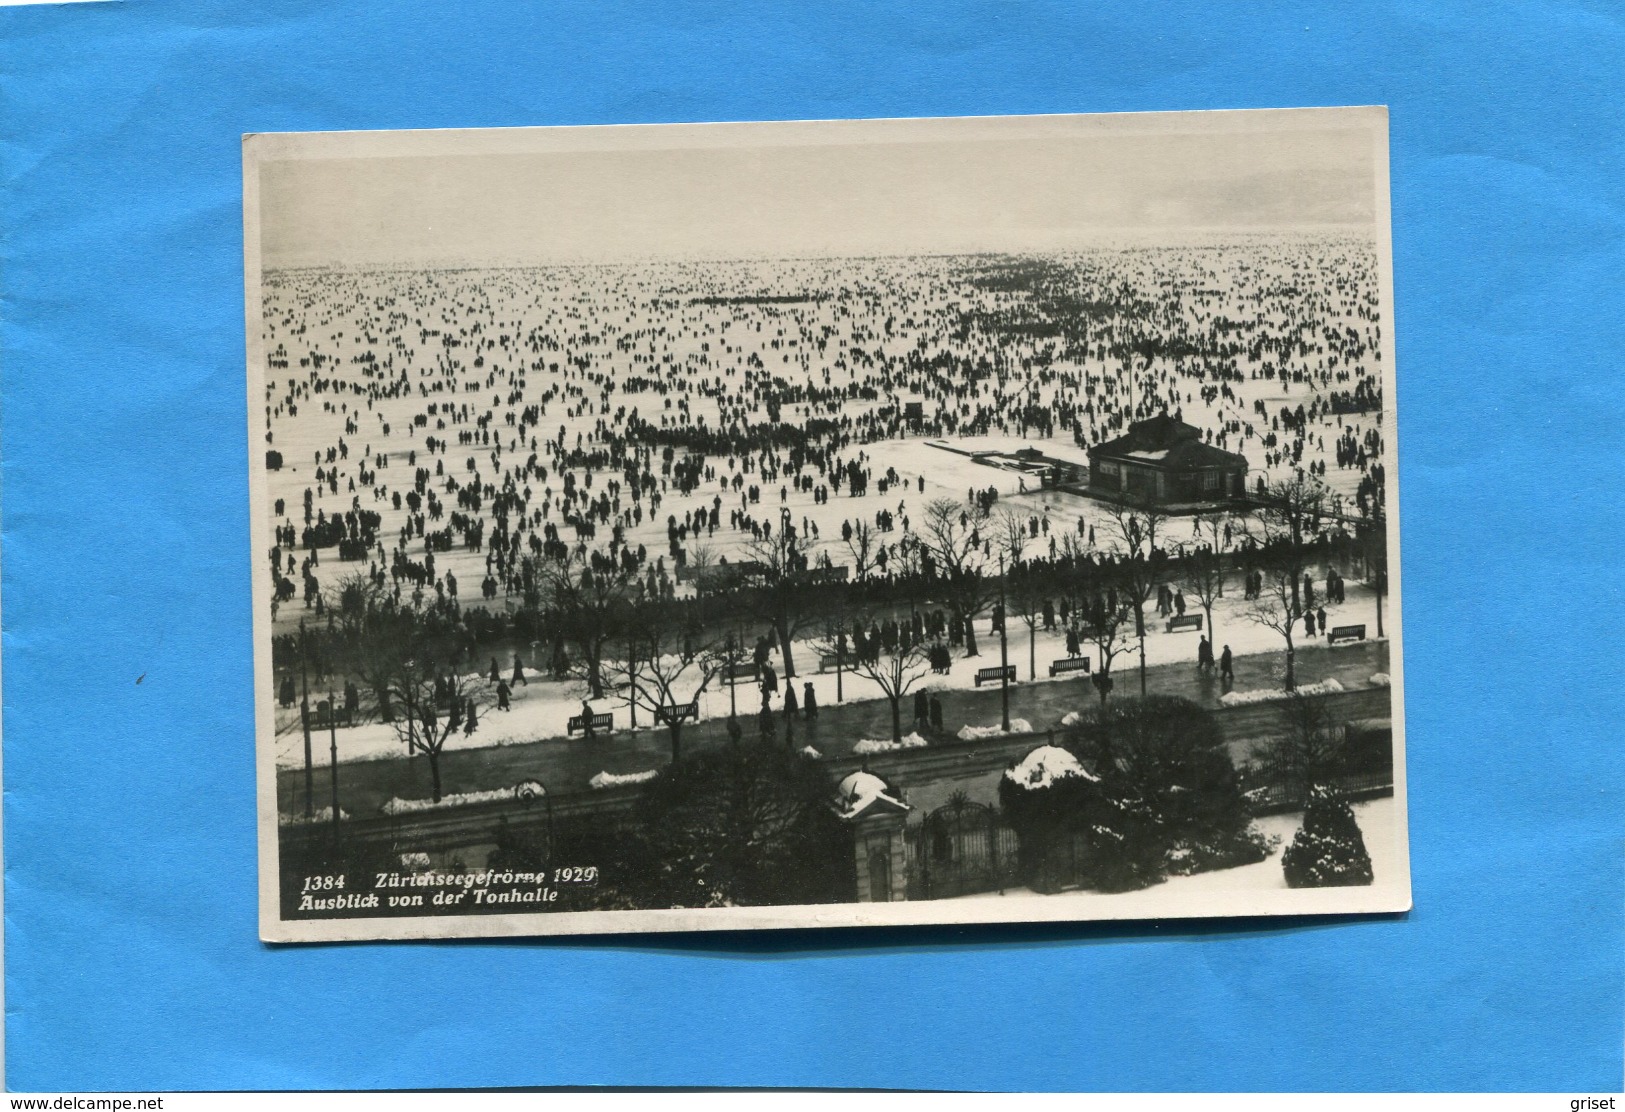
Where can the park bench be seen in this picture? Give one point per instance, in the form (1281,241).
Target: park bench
(742,671)
(1346,633)
(1069,664)
(678,713)
(988,675)
(1184,622)
(829,662)
(604,722)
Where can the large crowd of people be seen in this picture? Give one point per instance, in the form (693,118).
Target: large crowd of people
(449,433)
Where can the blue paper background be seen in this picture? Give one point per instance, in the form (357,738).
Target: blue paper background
(131,956)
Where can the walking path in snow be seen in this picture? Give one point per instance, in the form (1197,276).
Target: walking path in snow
(567,764)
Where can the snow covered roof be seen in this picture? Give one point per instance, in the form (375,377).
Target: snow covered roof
(862,790)
(1169,442)
(1045,765)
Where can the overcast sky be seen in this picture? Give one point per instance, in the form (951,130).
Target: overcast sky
(746,191)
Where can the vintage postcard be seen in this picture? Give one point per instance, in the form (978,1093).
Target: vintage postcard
(829,523)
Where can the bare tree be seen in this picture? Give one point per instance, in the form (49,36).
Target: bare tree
(862,546)
(1372,538)
(1143,562)
(432,704)
(1309,752)
(894,670)
(664,669)
(1106,630)
(590,593)
(1279,607)
(781,573)
(1024,588)
(952,533)
(702,557)
(374,635)
(1203,571)
(1289,515)
(1010,530)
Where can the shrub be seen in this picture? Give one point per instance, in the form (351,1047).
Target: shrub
(1329,850)
(734,826)
(1077,827)
(1046,815)
(1167,755)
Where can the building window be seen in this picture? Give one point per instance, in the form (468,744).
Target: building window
(1107,467)
(1210,480)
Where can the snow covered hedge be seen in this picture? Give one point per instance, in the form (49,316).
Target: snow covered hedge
(1244,698)
(1045,765)
(1381,679)
(1158,795)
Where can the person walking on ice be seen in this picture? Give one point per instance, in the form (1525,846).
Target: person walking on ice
(1227,670)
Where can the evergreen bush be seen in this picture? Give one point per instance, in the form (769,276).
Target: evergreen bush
(1328,850)
(728,827)
(1165,759)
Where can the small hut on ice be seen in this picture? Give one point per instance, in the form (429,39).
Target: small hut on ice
(1165,462)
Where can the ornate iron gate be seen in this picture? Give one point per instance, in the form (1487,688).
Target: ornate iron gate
(960,848)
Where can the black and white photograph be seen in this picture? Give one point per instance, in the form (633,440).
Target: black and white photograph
(821,524)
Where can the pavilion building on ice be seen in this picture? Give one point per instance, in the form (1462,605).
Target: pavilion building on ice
(1165,462)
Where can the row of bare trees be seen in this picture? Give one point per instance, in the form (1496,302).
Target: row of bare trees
(659,654)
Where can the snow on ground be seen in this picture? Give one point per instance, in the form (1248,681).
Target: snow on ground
(616,780)
(975,733)
(1376,818)
(321,815)
(542,707)
(556,343)
(370,365)
(1381,679)
(1244,698)
(399,806)
(873,745)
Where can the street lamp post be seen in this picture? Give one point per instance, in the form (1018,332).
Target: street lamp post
(333,752)
(1004,656)
(304,721)
(632,679)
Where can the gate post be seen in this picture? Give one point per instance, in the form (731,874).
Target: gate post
(878,853)
(876,815)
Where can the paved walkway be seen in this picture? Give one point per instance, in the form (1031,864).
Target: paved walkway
(565,765)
